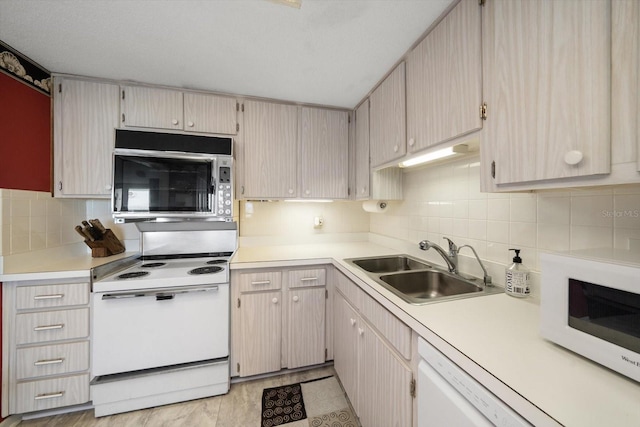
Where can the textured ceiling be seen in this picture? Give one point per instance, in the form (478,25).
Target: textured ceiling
(327,52)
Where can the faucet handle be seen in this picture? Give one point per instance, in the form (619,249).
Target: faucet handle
(452,246)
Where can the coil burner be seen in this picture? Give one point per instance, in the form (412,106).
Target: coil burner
(153,264)
(217,261)
(205,270)
(133,274)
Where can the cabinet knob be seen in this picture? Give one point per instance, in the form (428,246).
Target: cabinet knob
(275,300)
(364,190)
(307,192)
(573,157)
(360,331)
(296,298)
(291,191)
(395,148)
(353,322)
(174,122)
(412,142)
(107,187)
(190,124)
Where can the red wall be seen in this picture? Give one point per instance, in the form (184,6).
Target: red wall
(25,136)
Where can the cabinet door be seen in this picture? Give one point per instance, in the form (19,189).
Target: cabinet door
(384,389)
(85,118)
(387,119)
(306,327)
(270,150)
(625,82)
(444,80)
(548,95)
(260,333)
(345,348)
(324,154)
(149,107)
(209,113)
(361,161)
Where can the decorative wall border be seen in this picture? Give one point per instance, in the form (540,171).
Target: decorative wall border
(19,66)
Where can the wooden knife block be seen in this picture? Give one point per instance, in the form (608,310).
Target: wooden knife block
(107,246)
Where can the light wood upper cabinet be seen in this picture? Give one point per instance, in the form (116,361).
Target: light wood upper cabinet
(444,80)
(85,117)
(625,82)
(270,150)
(546,71)
(209,113)
(324,156)
(361,161)
(387,119)
(152,107)
(160,108)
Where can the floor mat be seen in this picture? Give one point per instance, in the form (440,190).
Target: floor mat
(315,403)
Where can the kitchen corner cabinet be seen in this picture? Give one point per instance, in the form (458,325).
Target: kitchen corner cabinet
(444,80)
(384,184)
(387,118)
(547,95)
(324,153)
(372,356)
(85,115)
(151,107)
(278,319)
(269,150)
(45,345)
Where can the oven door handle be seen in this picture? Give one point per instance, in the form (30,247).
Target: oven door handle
(158,295)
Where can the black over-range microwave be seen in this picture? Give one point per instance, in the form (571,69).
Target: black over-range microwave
(167,175)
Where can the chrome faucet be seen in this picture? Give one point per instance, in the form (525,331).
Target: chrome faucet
(451,258)
(487,278)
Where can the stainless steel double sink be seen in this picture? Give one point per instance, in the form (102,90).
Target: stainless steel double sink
(419,283)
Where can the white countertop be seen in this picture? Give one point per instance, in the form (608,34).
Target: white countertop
(70,261)
(494,338)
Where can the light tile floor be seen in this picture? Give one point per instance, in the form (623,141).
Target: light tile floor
(241,407)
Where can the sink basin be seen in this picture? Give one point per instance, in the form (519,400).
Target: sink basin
(420,286)
(389,264)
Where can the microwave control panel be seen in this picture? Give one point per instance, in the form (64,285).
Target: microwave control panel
(225,195)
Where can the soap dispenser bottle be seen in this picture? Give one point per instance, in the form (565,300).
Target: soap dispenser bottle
(516,281)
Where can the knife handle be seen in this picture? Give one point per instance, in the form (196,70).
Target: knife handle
(85,233)
(98,225)
(80,232)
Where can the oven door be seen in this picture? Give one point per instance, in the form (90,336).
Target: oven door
(148,329)
(158,184)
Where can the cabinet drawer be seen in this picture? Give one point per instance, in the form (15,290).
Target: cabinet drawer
(307,277)
(52,393)
(260,281)
(51,326)
(28,297)
(349,290)
(390,327)
(52,360)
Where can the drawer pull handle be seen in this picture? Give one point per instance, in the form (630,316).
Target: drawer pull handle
(49,395)
(49,327)
(308,279)
(261,282)
(48,362)
(54,296)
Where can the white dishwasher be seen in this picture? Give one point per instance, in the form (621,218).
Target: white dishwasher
(448,396)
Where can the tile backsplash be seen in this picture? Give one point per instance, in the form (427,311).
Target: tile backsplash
(33,220)
(445,200)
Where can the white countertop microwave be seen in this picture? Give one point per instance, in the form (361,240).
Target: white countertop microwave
(590,304)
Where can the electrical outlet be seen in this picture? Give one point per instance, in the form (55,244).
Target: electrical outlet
(318,222)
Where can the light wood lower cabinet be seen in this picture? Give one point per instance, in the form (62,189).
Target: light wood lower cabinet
(278,319)
(377,379)
(45,345)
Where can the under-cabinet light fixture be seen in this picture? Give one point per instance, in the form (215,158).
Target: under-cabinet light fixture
(308,200)
(293,3)
(435,155)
